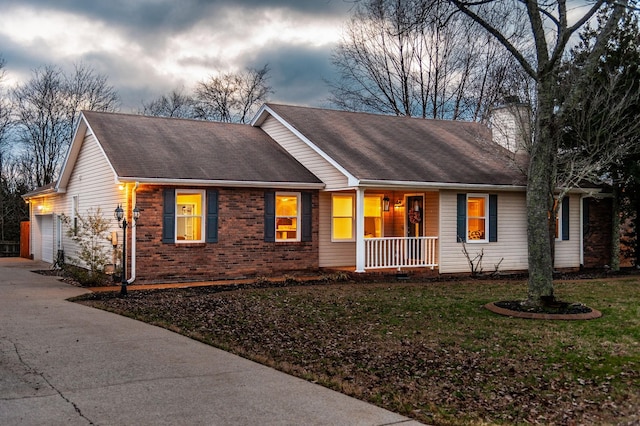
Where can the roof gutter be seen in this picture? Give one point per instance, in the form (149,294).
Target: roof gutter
(39,194)
(383,184)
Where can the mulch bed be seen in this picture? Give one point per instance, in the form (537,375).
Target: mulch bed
(558,311)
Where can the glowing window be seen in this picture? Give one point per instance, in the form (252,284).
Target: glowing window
(373,216)
(287,214)
(558,215)
(477,217)
(342,225)
(189,216)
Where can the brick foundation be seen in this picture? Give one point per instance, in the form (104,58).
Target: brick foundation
(240,251)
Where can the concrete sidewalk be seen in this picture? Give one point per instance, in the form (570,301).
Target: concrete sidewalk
(66,364)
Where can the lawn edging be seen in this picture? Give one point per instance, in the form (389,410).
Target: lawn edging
(542,316)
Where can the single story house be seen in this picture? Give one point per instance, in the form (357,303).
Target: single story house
(301,188)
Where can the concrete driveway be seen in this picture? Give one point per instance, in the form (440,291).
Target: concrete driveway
(66,364)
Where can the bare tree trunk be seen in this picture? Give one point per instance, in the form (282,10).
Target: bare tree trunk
(540,199)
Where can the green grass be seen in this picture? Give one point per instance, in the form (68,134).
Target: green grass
(427,350)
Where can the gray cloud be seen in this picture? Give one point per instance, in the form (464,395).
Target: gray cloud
(150,27)
(298,73)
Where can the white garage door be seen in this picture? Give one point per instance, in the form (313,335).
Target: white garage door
(46,230)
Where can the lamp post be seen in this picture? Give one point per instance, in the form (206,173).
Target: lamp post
(122,223)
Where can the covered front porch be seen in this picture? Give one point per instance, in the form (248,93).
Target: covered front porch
(385,228)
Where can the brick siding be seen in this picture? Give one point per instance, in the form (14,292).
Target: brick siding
(240,251)
(597,237)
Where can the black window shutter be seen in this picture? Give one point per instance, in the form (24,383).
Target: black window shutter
(461,218)
(307,217)
(493,218)
(270,216)
(212,216)
(169,216)
(585,216)
(565,218)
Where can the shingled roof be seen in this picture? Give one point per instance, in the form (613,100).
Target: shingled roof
(375,147)
(169,148)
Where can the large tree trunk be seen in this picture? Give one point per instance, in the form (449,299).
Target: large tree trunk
(540,199)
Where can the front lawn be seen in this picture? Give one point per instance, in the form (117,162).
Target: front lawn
(426,350)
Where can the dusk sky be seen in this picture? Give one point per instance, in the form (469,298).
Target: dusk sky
(149,47)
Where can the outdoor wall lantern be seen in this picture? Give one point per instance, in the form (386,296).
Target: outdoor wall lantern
(385,203)
(122,223)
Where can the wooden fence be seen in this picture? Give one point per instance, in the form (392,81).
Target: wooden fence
(9,248)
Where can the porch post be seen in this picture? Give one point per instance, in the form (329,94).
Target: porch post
(360,246)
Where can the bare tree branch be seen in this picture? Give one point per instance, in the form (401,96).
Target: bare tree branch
(232,97)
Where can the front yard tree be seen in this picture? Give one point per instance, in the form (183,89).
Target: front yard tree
(47,108)
(444,67)
(550,31)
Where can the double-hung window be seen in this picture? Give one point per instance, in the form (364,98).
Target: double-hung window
(477,215)
(189,216)
(342,217)
(562,219)
(75,211)
(287,216)
(477,218)
(373,216)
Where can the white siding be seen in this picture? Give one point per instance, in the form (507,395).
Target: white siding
(320,167)
(332,254)
(567,253)
(512,236)
(93,182)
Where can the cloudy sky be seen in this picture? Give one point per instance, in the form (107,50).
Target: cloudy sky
(149,47)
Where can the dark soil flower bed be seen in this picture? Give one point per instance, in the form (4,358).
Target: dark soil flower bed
(553,308)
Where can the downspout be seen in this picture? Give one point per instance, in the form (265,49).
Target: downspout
(133,237)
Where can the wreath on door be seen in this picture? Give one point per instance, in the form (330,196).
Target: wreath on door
(414,216)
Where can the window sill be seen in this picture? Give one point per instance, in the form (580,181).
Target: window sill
(188,245)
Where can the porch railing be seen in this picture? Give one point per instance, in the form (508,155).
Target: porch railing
(401,252)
